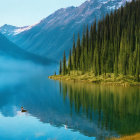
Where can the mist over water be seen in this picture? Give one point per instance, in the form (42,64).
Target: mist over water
(61,110)
(26,84)
(14,71)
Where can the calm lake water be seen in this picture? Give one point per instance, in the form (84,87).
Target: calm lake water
(65,110)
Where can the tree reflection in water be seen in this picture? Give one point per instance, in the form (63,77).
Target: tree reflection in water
(113,108)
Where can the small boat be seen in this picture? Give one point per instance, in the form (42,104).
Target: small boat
(23,110)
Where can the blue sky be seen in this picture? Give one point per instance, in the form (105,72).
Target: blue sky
(28,12)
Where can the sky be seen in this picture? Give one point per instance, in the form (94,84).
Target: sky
(29,12)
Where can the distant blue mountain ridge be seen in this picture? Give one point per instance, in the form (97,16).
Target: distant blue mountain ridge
(10,50)
(54,34)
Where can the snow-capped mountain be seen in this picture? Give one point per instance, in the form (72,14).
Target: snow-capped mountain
(9,30)
(54,34)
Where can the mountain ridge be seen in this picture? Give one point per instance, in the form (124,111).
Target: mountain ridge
(9,49)
(54,34)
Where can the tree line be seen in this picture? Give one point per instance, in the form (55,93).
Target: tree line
(110,46)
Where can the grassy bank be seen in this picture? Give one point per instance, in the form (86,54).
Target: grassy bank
(108,79)
(133,137)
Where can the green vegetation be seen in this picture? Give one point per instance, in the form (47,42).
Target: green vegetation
(108,79)
(132,137)
(110,47)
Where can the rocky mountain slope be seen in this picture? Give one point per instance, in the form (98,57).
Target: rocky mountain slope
(54,34)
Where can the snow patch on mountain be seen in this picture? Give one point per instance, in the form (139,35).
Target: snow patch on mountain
(123,2)
(10,30)
(22,29)
(19,30)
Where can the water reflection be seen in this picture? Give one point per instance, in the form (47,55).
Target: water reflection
(66,111)
(26,127)
(111,108)
(48,116)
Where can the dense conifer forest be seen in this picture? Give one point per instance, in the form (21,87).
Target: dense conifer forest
(110,46)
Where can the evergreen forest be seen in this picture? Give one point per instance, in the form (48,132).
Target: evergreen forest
(111,45)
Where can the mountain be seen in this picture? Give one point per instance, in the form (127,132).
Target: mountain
(9,49)
(10,31)
(54,34)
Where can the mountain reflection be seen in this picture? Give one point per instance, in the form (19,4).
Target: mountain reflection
(94,111)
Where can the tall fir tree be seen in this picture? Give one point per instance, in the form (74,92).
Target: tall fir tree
(78,52)
(60,68)
(64,64)
(69,62)
(73,54)
(138,54)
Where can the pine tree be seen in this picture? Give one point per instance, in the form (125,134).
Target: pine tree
(82,58)
(64,65)
(60,68)
(138,55)
(70,62)
(73,55)
(95,62)
(87,39)
(78,53)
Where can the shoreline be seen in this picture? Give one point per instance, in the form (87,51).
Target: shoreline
(109,79)
(131,137)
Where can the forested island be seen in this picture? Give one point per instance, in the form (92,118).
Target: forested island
(108,52)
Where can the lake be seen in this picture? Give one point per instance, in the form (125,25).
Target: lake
(64,110)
